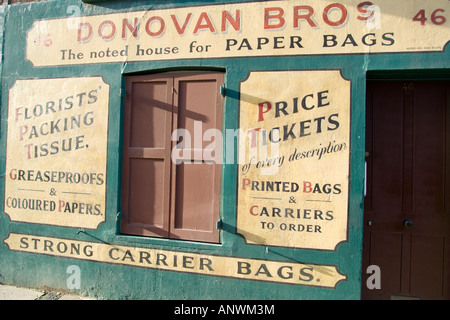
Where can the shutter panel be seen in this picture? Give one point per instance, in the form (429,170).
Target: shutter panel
(196,184)
(146,160)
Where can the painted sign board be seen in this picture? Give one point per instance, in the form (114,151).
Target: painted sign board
(293,273)
(56,151)
(263,28)
(294,153)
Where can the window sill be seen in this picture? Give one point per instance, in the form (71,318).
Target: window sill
(171,244)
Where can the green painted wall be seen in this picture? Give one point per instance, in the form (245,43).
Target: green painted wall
(120,282)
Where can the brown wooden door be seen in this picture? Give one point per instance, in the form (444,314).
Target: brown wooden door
(407,203)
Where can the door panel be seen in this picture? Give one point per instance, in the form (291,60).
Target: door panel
(406,223)
(426,266)
(387,249)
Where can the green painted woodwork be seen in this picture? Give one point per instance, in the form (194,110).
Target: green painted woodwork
(122,282)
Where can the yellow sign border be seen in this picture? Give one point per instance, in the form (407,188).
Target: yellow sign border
(40,187)
(249,228)
(233,30)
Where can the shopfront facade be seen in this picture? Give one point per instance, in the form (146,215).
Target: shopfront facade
(226,149)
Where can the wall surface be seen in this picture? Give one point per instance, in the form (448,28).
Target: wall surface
(296,69)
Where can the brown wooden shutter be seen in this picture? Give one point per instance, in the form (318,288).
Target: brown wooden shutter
(196,184)
(146,161)
(161,198)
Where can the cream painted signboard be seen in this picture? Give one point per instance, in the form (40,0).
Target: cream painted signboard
(205,264)
(263,28)
(294,149)
(56,151)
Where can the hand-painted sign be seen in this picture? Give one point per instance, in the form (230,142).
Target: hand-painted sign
(263,28)
(56,151)
(213,265)
(294,159)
